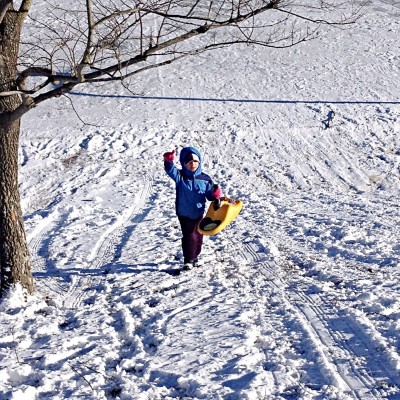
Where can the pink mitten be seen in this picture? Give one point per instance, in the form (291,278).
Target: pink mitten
(217,193)
(169,156)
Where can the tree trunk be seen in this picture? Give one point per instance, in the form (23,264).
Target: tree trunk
(15,266)
(14,253)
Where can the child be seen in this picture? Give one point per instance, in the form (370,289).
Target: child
(193,187)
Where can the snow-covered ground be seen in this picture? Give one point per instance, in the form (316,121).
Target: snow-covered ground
(299,297)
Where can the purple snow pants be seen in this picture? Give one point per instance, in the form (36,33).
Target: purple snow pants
(192,240)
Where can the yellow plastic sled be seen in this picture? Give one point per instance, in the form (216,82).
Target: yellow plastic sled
(220,213)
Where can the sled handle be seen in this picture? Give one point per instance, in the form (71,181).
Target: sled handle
(229,201)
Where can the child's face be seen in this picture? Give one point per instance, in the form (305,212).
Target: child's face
(192,165)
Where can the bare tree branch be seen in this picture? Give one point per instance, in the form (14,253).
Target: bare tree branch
(4,6)
(120,41)
(89,43)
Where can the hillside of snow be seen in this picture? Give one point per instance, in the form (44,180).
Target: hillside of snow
(298,298)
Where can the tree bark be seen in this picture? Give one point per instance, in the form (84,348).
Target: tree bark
(14,252)
(15,266)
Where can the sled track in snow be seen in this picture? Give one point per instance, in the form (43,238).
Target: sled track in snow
(105,249)
(38,246)
(330,331)
(346,331)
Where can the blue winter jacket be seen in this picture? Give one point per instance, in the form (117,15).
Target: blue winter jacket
(192,188)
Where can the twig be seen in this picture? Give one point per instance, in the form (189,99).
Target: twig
(77,114)
(81,375)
